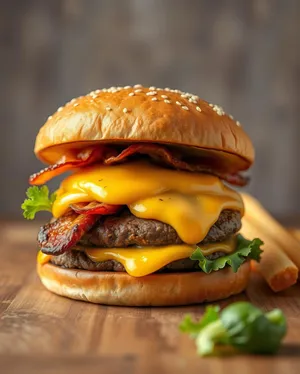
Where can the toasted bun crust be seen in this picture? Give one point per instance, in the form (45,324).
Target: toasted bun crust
(140,114)
(112,288)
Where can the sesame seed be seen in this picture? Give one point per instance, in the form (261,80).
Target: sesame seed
(76,104)
(60,109)
(131,94)
(211,105)
(238,123)
(125,110)
(184,95)
(108,108)
(98,91)
(164,96)
(192,101)
(49,117)
(167,101)
(218,109)
(167,89)
(126,87)
(73,100)
(154,99)
(137,91)
(198,108)
(151,93)
(178,103)
(185,107)
(137,85)
(230,116)
(152,88)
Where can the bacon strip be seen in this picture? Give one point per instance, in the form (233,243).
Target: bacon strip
(234,179)
(154,150)
(59,236)
(88,157)
(109,156)
(95,208)
(169,158)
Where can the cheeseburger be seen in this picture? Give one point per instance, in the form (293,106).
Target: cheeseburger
(147,214)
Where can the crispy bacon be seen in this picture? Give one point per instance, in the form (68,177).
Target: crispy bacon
(95,207)
(59,236)
(170,158)
(153,150)
(234,179)
(88,157)
(109,156)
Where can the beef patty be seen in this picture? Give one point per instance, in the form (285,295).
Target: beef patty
(79,260)
(127,230)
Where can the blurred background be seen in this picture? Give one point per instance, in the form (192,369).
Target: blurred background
(241,54)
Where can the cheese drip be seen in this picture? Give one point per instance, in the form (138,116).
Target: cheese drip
(190,202)
(139,262)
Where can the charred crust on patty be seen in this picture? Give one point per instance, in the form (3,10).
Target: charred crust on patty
(79,260)
(128,230)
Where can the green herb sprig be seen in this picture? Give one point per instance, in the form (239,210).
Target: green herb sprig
(241,326)
(38,200)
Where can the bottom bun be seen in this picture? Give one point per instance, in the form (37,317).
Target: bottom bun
(112,288)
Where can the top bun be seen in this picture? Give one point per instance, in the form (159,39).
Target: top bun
(144,114)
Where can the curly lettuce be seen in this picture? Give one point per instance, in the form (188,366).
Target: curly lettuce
(245,249)
(38,199)
(240,326)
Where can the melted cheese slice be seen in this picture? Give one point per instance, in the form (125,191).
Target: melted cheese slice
(190,202)
(139,262)
(42,258)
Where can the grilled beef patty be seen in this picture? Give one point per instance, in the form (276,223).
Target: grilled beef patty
(79,260)
(127,230)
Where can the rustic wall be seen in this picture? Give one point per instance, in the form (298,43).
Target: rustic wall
(241,54)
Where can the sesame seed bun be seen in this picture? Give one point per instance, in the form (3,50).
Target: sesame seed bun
(111,288)
(140,114)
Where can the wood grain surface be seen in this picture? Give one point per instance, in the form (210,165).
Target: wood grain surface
(44,333)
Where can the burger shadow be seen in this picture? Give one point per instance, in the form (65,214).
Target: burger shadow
(289,350)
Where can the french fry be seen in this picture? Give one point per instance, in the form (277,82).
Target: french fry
(275,266)
(267,224)
(295,233)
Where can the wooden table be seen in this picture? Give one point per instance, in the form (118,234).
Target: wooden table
(44,333)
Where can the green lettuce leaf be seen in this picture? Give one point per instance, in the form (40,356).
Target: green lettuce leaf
(245,249)
(210,337)
(253,331)
(240,326)
(193,328)
(38,199)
